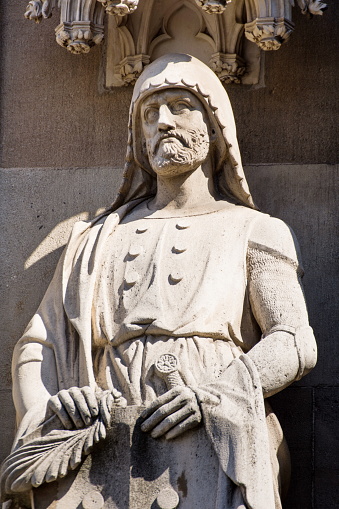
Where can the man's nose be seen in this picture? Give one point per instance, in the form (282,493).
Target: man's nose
(166,120)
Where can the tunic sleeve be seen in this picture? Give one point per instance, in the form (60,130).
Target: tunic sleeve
(276,295)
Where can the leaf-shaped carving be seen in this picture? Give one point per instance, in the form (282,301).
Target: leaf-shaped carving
(311,7)
(39,9)
(120,7)
(213,6)
(48,457)
(250,36)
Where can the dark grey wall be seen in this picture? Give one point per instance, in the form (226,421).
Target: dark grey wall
(63,148)
(306,197)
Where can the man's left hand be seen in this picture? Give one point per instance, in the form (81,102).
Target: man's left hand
(172,414)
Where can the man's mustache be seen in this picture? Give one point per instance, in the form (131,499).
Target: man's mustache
(184,140)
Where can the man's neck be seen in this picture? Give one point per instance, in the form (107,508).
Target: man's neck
(187,192)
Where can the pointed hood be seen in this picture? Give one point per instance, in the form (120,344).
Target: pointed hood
(184,71)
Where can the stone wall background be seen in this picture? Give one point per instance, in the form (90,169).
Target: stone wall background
(63,147)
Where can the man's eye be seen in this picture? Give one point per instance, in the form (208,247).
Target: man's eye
(151,115)
(180,106)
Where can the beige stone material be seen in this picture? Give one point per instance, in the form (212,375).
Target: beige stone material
(138,34)
(216,32)
(158,28)
(181,300)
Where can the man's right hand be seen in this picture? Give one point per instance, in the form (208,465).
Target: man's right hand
(77,407)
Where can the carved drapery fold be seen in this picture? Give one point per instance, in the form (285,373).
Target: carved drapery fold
(141,30)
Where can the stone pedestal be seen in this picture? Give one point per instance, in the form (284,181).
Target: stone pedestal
(131,470)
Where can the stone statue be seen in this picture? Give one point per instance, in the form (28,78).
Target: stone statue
(180,310)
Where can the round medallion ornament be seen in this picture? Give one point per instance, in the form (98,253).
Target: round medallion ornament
(167,363)
(168,499)
(93,500)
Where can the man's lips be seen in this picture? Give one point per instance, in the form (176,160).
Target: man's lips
(169,137)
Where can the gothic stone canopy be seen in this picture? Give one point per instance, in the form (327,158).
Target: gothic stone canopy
(221,33)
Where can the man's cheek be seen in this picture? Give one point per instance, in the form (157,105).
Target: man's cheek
(150,145)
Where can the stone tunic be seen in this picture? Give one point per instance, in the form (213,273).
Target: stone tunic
(172,285)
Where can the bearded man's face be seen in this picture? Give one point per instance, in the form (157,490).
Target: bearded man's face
(175,128)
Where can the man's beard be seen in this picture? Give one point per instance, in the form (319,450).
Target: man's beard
(184,151)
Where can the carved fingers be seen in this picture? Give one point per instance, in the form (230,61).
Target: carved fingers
(171,414)
(189,423)
(77,407)
(105,405)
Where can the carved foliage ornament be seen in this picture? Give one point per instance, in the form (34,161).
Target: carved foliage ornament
(224,24)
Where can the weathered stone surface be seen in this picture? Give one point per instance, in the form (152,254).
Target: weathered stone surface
(7,417)
(81,27)
(222,332)
(58,114)
(130,469)
(307,199)
(219,41)
(326,446)
(41,209)
(273,122)
(313,182)
(49,101)
(41,206)
(294,408)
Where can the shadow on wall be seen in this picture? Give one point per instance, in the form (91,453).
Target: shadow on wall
(58,234)
(37,211)
(306,197)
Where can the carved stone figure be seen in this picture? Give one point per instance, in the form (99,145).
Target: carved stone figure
(174,314)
